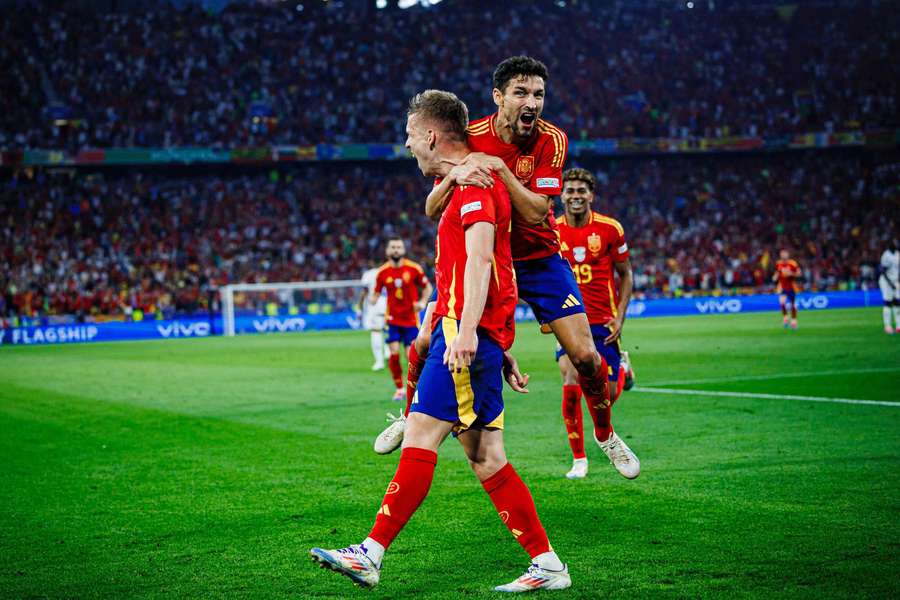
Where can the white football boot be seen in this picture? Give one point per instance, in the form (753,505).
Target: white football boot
(351,561)
(579,469)
(391,438)
(536,578)
(399,395)
(620,455)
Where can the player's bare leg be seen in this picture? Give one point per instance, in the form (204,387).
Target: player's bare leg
(392,436)
(572,417)
(513,501)
(794,314)
(406,491)
(574,335)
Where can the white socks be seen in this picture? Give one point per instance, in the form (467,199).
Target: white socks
(549,561)
(886,315)
(373,550)
(897,316)
(377,341)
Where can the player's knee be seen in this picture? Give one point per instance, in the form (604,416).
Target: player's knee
(423,342)
(585,360)
(485,466)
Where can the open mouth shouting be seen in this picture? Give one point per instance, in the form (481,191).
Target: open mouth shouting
(526,121)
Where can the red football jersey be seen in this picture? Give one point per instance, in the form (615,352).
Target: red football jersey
(402,284)
(592,250)
(467,206)
(788,272)
(538,165)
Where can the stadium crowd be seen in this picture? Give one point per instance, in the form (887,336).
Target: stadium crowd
(160,243)
(253,75)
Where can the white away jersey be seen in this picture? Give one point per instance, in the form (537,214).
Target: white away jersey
(890,265)
(368,278)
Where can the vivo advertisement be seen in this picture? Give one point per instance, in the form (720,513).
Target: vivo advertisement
(254,324)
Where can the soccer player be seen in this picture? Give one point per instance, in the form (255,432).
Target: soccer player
(787,271)
(402,279)
(460,389)
(889,282)
(373,317)
(595,246)
(528,153)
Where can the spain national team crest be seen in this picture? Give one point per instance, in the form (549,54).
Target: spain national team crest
(406,277)
(579,253)
(594,243)
(525,167)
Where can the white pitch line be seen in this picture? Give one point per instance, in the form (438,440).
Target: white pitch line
(681,392)
(779,376)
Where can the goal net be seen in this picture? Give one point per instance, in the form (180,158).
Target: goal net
(290,306)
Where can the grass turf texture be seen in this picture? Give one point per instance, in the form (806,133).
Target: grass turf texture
(209,467)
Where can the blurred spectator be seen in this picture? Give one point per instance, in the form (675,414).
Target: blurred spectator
(256,75)
(154,244)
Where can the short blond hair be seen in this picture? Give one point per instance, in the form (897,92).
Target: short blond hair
(443,108)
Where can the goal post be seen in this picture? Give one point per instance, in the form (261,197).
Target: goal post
(298,298)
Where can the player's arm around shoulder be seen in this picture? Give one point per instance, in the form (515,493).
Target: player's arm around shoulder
(467,172)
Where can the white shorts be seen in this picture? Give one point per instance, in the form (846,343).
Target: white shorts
(888,292)
(373,320)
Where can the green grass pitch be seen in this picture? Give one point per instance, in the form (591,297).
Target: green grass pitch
(208,468)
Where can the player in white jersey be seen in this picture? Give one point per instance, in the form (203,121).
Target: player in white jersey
(889,282)
(373,318)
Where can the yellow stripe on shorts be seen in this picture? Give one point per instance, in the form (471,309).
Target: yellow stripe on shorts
(465,396)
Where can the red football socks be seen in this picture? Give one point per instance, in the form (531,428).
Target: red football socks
(571,410)
(405,493)
(413,370)
(396,369)
(596,388)
(514,503)
(602,417)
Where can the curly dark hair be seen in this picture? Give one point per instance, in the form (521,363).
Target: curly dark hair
(578,174)
(518,66)
(444,108)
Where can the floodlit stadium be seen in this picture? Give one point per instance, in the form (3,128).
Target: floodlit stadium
(449,298)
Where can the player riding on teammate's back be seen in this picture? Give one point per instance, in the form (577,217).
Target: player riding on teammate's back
(527,154)
(461,384)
